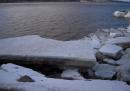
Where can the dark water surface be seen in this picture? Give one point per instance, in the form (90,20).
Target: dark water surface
(56,20)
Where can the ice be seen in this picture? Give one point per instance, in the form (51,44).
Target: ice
(110,50)
(35,46)
(72,74)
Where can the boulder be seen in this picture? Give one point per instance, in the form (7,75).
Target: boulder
(25,79)
(127,15)
(123,73)
(104,71)
(72,74)
(119,14)
(125,60)
(110,50)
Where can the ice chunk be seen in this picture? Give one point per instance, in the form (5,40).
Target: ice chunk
(72,74)
(111,50)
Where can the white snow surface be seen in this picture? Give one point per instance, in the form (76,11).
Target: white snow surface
(95,41)
(16,72)
(110,49)
(118,40)
(68,85)
(33,45)
(9,74)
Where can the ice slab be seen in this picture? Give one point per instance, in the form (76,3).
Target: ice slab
(35,48)
(123,41)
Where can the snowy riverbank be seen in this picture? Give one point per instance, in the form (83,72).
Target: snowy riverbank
(104,55)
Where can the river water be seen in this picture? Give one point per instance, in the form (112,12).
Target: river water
(62,21)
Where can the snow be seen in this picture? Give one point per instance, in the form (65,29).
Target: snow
(7,77)
(68,85)
(110,50)
(19,71)
(119,40)
(8,82)
(72,73)
(95,42)
(127,51)
(35,46)
(127,15)
(119,14)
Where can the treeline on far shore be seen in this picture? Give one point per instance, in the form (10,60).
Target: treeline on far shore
(7,1)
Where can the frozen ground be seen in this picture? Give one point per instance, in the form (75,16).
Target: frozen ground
(50,84)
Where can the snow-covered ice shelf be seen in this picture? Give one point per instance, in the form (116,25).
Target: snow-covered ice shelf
(38,49)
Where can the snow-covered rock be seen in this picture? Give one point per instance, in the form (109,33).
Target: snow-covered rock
(19,71)
(72,74)
(123,73)
(122,41)
(119,14)
(127,15)
(104,71)
(37,49)
(109,50)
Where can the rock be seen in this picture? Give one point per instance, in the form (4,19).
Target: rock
(35,49)
(127,15)
(119,14)
(100,56)
(104,71)
(127,51)
(25,79)
(111,50)
(122,41)
(125,60)
(123,73)
(110,61)
(72,74)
